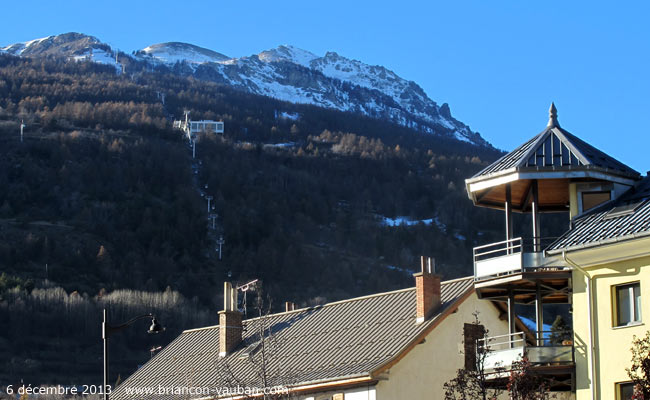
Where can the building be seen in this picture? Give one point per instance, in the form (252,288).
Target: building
(400,344)
(609,250)
(599,266)
(192,128)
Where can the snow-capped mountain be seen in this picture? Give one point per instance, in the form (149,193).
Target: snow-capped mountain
(286,73)
(332,81)
(70,44)
(73,45)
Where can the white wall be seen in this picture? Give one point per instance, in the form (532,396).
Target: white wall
(422,373)
(362,393)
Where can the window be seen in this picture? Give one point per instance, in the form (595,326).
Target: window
(628,304)
(592,199)
(625,390)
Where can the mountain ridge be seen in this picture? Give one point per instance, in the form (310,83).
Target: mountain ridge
(286,72)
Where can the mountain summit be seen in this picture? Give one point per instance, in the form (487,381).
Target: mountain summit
(69,44)
(172,52)
(286,73)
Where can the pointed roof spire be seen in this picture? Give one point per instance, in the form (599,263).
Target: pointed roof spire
(552,117)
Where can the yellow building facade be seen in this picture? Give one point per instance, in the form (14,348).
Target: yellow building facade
(611,270)
(599,267)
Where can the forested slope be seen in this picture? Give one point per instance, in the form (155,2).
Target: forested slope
(100,205)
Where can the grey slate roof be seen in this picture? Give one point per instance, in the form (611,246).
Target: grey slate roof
(625,218)
(340,340)
(555,148)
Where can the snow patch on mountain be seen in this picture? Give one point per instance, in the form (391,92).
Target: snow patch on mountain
(290,54)
(19,48)
(287,115)
(173,52)
(404,221)
(99,56)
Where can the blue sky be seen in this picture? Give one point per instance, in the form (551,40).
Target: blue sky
(498,64)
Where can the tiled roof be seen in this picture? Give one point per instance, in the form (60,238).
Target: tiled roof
(555,148)
(340,340)
(625,218)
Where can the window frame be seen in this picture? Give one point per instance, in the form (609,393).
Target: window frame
(594,192)
(636,316)
(619,389)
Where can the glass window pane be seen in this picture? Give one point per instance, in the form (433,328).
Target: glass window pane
(626,390)
(623,301)
(592,199)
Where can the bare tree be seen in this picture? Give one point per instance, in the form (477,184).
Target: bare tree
(523,384)
(262,354)
(639,372)
(471,382)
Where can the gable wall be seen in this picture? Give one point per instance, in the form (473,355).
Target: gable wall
(423,371)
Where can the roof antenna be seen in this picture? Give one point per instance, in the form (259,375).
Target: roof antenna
(252,285)
(552,117)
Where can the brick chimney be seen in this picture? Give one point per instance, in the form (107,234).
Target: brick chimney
(230,321)
(427,287)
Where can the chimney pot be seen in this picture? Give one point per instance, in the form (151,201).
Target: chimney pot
(289,306)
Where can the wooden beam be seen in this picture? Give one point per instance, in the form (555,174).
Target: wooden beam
(526,198)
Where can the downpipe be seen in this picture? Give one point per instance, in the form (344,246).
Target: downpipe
(592,347)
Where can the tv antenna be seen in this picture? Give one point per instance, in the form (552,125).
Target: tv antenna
(22,127)
(252,285)
(154,349)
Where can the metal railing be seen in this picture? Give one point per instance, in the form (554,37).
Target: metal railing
(509,257)
(548,348)
(498,249)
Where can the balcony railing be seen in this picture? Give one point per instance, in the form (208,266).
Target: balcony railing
(550,348)
(512,256)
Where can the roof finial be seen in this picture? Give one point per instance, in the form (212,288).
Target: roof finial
(552,117)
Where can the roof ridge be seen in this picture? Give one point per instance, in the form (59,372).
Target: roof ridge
(318,306)
(334,303)
(369,296)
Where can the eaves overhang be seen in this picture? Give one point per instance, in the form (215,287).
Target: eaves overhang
(606,251)
(570,172)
